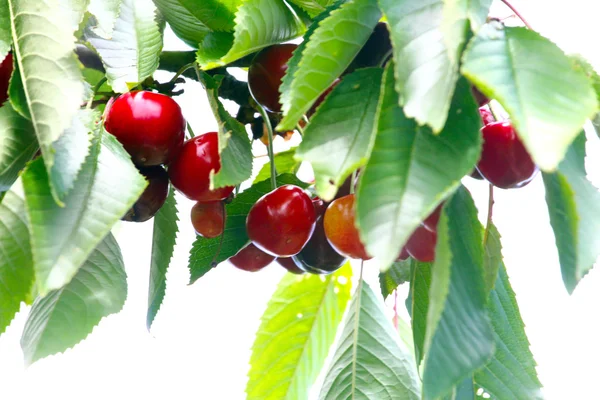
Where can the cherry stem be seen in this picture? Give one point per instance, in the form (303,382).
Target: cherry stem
(396,309)
(267,123)
(190,130)
(352,181)
(514,10)
(489,216)
(214,263)
(182,71)
(95,92)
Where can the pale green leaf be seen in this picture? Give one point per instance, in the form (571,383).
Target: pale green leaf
(74,10)
(403,182)
(164,236)
(106,13)
(492,257)
(420,283)
(17,145)
(285,163)
(185,25)
(329,51)
(63,237)
(313,7)
(457,12)
(339,138)
(297,330)
(398,274)
(217,15)
(66,316)
(499,62)
(370,362)
(132,53)
(5,32)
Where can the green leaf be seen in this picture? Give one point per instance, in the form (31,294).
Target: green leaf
(370,362)
(217,15)
(402,183)
(164,237)
(48,84)
(185,25)
(398,274)
(16,263)
(5,32)
(63,237)
(313,7)
(131,55)
(426,54)
(498,61)
(329,51)
(574,208)
(205,251)
(492,258)
(475,11)
(296,332)
(235,148)
(75,10)
(285,163)
(339,138)
(459,338)
(17,145)
(420,283)
(106,13)
(258,24)
(581,64)
(66,316)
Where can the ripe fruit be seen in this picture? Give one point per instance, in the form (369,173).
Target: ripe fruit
(340,229)
(265,74)
(282,221)
(505,162)
(208,219)
(190,169)
(149,125)
(289,264)
(251,259)
(432,220)
(403,255)
(318,256)
(486,116)
(421,244)
(6,70)
(153,197)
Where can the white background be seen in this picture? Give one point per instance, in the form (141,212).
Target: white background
(200,343)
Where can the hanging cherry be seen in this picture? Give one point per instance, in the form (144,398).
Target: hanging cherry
(421,244)
(208,219)
(153,197)
(251,259)
(289,264)
(6,70)
(340,228)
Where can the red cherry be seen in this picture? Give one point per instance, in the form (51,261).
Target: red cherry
(190,169)
(208,219)
(149,125)
(265,74)
(251,259)
(153,197)
(403,255)
(340,228)
(289,264)
(476,175)
(421,244)
(282,221)
(505,162)
(6,70)
(432,220)
(480,98)
(486,116)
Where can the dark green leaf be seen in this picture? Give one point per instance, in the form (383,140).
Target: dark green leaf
(499,62)
(427,43)
(205,251)
(285,163)
(296,332)
(339,138)
(574,208)
(492,257)
(370,362)
(398,274)
(419,305)
(459,338)
(5,32)
(17,145)
(106,13)
(16,263)
(163,244)
(402,182)
(329,51)
(63,237)
(185,25)
(66,316)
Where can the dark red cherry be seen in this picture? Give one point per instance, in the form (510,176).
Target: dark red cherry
(289,264)
(6,70)
(432,220)
(265,74)
(251,259)
(318,256)
(282,221)
(340,228)
(208,219)
(505,162)
(190,169)
(421,244)
(403,255)
(480,98)
(153,197)
(150,126)
(476,175)
(486,116)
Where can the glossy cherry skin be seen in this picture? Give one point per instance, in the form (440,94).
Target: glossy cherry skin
(265,74)
(505,162)
(281,222)
(486,116)
(318,256)
(150,126)
(251,259)
(432,220)
(421,244)
(289,264)
(190,169)
(208,219)
(403,255)
(153,197)
(341,231)
(6,70)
